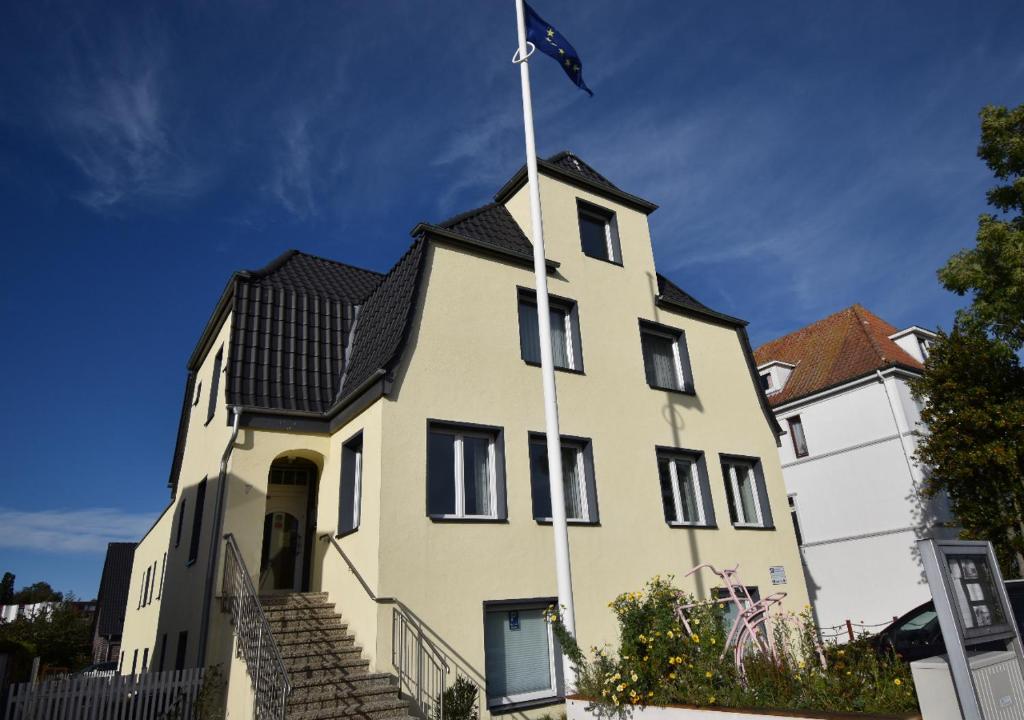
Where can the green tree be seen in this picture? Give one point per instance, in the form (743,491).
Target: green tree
(7,589)
(993,270)
(973,384)
(37,593)
(60,636)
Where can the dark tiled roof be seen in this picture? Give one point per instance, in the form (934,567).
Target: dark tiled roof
(112,598)
(492,224)
(290,332)
(844,346)
(568,161)
(383,320)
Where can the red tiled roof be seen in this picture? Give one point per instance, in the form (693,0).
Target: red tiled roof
(842,347)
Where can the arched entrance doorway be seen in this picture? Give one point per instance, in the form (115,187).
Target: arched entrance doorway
(288,526)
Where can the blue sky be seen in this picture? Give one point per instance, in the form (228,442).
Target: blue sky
(805,155)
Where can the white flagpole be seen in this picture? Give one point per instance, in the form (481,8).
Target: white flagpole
(563,570)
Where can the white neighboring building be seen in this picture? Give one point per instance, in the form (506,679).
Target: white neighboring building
(839,388)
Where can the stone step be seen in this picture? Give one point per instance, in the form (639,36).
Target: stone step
(314,685)
(316,697)
(302,663)
(344,643)
(296,599)
(376,710)
(335,636)
(283,612)
(295,623)
(326,674)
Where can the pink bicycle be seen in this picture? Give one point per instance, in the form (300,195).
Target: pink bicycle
(751,631)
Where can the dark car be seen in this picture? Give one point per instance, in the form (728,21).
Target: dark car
(916,635)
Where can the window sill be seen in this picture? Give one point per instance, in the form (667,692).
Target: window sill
(340,535)
(752,527)
(604,260)
(691,526)
(525,705)
(574,523)
(571,371)
(482,520)
(677,391)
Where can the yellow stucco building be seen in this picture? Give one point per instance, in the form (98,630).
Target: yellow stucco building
(378,438)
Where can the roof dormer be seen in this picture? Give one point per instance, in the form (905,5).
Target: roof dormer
(916,341)
(773,375)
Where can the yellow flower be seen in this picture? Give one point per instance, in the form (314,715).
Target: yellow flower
(645,657)
(670,635)
(695,638)
(802,664)
(712,641)
(671,676)
(849,672)
(604,653)
(650,694)
(841,653)
(708,674)
(696,621)
(604,693)
(897,681)
(554,617)
(620,687)
(711,700)
(679,660)
(643,638)
(633,676)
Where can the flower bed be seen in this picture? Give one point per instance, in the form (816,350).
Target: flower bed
(580,708)
(657,663)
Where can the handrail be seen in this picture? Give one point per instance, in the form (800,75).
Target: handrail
(385,600)
(256,643)
(432,667)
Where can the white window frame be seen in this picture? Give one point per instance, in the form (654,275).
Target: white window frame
(677,360)
(609,243)
(357,485)
(737,500)
(677,493)
(460,474)
(497,702)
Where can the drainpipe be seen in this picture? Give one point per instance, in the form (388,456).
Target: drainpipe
(218,524)
(899,431)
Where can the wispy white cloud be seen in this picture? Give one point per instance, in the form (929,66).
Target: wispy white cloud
(292,174)
(87,530)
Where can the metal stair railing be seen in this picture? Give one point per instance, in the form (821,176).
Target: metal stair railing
(256,644)
(424,671)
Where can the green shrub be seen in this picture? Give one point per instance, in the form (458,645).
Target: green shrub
(658,663)
(459,701)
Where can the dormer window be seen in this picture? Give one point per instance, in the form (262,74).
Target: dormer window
(915,341)
(773,376)
(924,344)
(599,233)
(766,381)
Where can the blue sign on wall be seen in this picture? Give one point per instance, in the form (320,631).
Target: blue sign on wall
(513,619)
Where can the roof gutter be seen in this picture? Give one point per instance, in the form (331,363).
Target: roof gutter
(218,524)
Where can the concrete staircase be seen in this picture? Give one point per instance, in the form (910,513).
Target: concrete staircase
(329,676)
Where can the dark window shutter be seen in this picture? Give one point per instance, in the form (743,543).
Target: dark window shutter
(197,521)
(539,486)
(440,474)
(529,333)
(730,500)
(215,385)
(705,492)
(762,496)
(684,359)
(350,454)
(588,468)
(181,521)
(668,503)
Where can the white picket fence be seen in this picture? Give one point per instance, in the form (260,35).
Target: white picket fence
(169,695)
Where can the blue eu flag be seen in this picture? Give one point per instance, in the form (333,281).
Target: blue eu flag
(551,42)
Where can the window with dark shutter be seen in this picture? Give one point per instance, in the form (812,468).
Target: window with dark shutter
(666,358)
(685,489)
(197,522)
(181,521)
(214,386)
(465,472)
(578,484)
(350,496)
